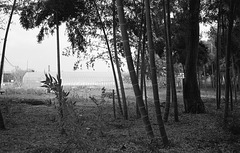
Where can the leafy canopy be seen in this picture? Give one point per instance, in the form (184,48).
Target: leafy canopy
(77,14)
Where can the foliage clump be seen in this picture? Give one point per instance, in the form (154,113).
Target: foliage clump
(46,14)
(67,109)
(52,84)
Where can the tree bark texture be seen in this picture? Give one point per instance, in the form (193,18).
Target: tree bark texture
(140,29)
(218,85)
(133,76)
(154,75)
(168,76)
(62,102)
(143,68)
(194,103)
(227,61)
(173,83)
(117,62)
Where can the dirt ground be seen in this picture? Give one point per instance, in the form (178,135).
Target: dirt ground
(33,126)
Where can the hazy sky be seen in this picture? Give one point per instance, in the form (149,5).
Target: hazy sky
(23,50)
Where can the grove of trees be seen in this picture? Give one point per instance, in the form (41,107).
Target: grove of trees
(142,32)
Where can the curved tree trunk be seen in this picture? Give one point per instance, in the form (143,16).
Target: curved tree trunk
(131,69)
(2,125)
(5,43)
(154,75)
(194,103)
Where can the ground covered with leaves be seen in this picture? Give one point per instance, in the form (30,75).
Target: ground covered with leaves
(33,126)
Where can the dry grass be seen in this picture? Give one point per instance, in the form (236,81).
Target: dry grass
(35,129)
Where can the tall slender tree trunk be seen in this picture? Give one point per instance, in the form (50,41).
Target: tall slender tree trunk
(112,64)
(235,89)
(2,125)
(231,95)
(218,86)
(117,61)
(60,89)
(139,37)
(168,76)
(140,29)
(145,92)
(238,77)
(154,75)
(194,103)
(227,60)
(143,68)
(205,76)
(5,43)
(173,84)
(133,76)
(234,79)
(232,83)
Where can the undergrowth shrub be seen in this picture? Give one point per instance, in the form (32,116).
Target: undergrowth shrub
(101,104)
(68,115)
(100,115)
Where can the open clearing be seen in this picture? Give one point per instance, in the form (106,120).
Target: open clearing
(35,128)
